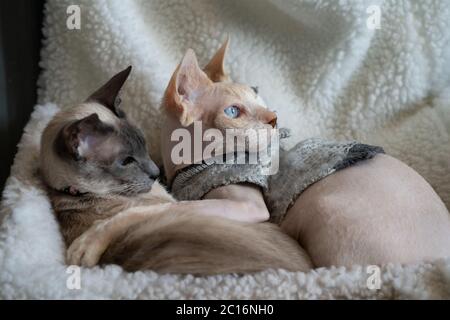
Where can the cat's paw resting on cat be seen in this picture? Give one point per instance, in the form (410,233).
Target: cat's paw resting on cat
(87,249)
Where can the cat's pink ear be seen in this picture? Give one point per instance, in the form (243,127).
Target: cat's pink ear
(215,69)
(82,139)
(180,94)
(108,94)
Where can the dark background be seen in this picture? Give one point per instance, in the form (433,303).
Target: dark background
(20,42)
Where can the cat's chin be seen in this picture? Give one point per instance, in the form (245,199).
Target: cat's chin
(137,191)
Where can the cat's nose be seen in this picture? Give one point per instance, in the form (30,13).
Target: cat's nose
(271,118)
(273,122)
(152,170)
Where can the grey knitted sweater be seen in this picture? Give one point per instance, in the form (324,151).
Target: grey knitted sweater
(309,161)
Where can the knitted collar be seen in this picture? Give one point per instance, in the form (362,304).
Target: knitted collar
(183,175)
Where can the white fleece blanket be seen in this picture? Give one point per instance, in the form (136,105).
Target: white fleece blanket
(315,62)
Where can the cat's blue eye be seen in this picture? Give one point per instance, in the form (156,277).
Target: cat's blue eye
(232,111)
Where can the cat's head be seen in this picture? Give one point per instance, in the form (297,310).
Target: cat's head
(211,97)
(94,148)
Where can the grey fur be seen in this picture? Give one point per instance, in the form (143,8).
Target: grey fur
(104,160)
(108,94)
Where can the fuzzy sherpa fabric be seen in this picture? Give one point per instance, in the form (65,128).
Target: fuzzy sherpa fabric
(315,62)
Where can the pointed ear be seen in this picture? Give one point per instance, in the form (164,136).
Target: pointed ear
(83,138)
(108,94)
(215,68)
(179,98)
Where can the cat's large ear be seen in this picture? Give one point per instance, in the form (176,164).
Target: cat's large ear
(85,139)
(179,97)
(108,94)
(215,69)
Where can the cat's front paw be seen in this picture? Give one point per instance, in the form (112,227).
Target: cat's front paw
(87,249)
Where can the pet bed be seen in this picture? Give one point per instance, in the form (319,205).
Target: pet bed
(329,68)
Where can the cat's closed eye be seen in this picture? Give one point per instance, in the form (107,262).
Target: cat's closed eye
(128,160)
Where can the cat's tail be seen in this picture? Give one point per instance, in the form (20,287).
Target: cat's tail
(194,244)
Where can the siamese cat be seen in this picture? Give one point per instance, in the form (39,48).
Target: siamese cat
(112,210)
(375,212)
